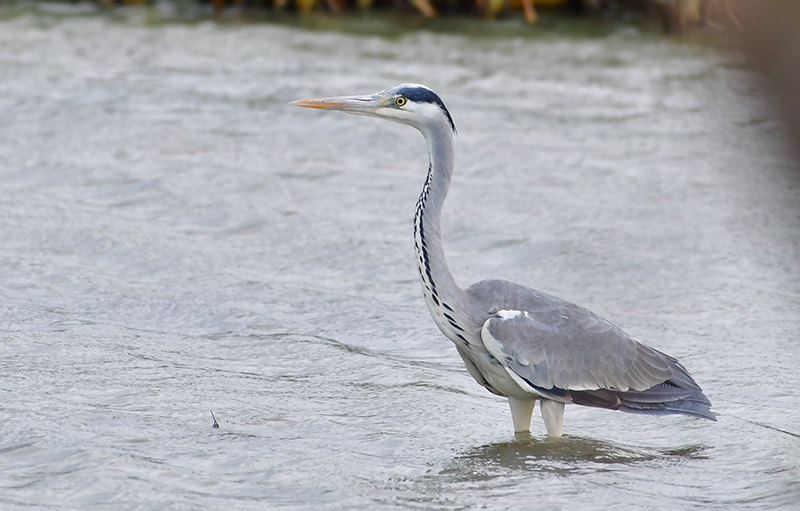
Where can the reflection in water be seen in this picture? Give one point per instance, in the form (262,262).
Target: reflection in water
(558,456)
(543,473)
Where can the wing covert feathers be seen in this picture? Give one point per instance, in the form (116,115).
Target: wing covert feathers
(561,351)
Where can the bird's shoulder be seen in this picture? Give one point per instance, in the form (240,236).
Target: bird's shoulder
(540,309)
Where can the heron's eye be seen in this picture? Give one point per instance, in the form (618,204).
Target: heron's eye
(400,101)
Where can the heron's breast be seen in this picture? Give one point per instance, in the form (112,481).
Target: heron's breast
(495,373)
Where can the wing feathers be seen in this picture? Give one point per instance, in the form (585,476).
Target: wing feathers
(567,352)
(573,358)
(663,400)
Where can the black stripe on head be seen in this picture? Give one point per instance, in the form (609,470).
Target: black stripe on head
(425,95)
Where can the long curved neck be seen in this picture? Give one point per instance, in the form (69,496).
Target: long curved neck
(438,285)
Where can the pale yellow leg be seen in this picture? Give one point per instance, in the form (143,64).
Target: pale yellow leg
(553,415)
(521,410)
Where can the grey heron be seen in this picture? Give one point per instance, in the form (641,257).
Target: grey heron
(516,341)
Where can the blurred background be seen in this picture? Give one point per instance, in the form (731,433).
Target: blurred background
(674,15)
(177,240)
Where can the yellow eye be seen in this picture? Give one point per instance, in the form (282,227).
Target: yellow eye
(400,101)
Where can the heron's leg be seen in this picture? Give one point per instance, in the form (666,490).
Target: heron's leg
(553,415)
(521,410)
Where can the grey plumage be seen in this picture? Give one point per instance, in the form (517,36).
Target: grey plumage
(570,354)
(514,340)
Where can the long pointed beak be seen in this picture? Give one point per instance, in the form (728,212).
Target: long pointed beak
(363,105)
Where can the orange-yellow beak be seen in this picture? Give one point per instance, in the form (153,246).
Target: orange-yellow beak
(362,105)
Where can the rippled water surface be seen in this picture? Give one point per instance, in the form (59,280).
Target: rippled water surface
(176,239)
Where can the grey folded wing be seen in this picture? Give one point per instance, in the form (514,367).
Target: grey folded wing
(564,352)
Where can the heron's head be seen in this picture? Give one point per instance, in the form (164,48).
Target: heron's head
(408,103)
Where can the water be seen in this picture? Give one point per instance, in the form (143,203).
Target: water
(177,239)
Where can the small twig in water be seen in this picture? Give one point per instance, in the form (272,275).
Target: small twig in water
(216,424)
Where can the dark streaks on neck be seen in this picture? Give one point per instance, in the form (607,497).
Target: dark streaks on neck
(419,228)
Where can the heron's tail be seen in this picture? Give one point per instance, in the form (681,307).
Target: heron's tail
(665,398)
